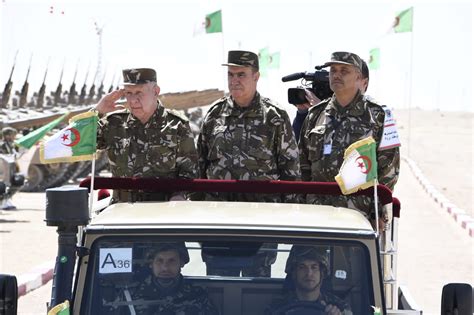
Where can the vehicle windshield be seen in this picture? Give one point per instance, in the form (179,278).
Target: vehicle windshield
(143,275)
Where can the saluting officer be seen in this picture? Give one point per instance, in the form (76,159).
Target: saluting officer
(144,138)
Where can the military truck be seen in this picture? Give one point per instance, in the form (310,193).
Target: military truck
(103,254)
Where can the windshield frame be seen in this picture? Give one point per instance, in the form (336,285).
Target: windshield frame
(86,267)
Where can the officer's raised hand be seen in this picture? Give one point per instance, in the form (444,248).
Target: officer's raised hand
(108,104)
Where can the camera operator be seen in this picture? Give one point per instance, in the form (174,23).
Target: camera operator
(339,121)
(302,109)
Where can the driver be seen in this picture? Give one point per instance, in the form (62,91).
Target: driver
(164,290)
(307,267)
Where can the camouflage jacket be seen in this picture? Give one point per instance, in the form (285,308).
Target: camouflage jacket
(162,147)
(326,133)
(291,299)
(151,298)
(8,147)
(251,143)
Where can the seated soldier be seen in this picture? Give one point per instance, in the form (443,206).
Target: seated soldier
(164,291)
(307,267)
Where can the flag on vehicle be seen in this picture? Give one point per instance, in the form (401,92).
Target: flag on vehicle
(36,135)
(76,142)
(60,309)
(374,59)
(359,168)
(214,22)
(404,21)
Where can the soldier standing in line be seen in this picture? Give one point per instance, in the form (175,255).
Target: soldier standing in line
(8,147)
(246,136)
(144,139)
(339,121)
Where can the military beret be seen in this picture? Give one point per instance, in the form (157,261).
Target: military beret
(345,58)
(242,58)
(138,76)
(9,131)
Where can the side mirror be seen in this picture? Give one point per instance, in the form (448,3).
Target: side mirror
(8,295)
(457,299)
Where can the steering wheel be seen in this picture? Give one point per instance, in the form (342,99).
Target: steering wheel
(300,308)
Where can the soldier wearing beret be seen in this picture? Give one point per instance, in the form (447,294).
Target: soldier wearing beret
(144,138)
(307,268)
(336,123)
(164,290)
(8,147)
(246,136)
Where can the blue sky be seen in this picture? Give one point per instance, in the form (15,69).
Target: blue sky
(159,34)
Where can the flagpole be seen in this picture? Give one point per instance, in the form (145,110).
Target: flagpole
(376,202)
(223,53)
(410,83)
(91,195)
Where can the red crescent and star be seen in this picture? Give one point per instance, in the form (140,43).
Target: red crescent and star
(77,137)
(360,163)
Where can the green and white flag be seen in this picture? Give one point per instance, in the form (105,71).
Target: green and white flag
(359,168)
(76,142)
(30,139)
(60,309)
(374,59)
(214,22)
(404,21)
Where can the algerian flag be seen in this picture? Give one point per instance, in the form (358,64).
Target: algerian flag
(60,309)
(214,22)
(263,61)
(76,142)
(274,61)
(359,169)
(374,59)
(30,139)
(268,60)
(404,21)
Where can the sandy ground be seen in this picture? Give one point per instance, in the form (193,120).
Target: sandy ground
(441,143)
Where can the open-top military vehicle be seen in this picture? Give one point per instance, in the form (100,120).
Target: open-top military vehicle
(101,260)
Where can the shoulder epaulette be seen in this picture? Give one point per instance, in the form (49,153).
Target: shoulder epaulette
(177,113)
(372,101)
(321,105)
(219,101)
(215,104)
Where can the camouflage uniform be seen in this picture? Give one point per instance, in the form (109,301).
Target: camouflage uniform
(162,147)
(251,143)
(182,298)
(8,147)
(332,126)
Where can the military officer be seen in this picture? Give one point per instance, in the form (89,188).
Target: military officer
(144,138)
(336,123)
(247,136)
